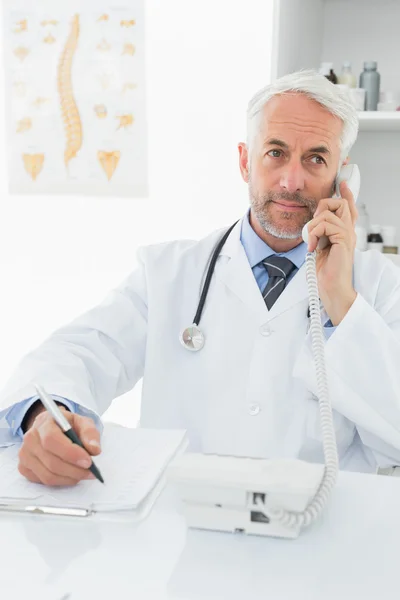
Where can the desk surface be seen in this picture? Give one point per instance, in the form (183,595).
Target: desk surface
(351,553)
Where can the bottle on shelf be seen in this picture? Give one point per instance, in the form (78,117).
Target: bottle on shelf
(362,227)
(327,70)
(375,239)
(357,97)
(389,234)
(370,81)
(388,101)
(347,77)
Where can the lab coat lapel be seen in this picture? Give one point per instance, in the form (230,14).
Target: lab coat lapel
(238,276)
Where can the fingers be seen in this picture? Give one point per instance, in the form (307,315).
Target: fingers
(41,473)
(329,217)
(47,456)
(332,204)
(337,234)
(88,434)
(28,473)
(344,207)
(326,217)
(56,465)
(52,440)
(337,206)
(340,218)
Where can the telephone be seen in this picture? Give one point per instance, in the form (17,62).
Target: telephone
(267,497)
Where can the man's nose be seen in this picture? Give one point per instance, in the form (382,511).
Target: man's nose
(292,179)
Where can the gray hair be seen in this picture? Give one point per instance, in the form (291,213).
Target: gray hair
(315,86)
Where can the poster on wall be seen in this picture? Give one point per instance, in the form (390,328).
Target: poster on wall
(75,97)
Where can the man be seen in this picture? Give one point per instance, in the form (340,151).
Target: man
(251,390)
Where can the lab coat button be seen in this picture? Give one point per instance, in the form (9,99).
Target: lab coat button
(254,409)
(265,330)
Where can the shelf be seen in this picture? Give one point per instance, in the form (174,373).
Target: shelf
(379,121)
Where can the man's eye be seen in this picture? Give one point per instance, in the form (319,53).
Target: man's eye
(319,159)
(275,153)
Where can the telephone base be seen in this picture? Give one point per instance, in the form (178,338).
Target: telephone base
(223,493)
(199,516)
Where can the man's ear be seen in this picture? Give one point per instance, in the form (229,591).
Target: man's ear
(244,161)
(346,161)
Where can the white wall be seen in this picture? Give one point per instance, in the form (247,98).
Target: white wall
(60,255)
(297,43)
(360,30)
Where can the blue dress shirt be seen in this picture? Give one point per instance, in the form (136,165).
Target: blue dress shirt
(256,250)
(11,418)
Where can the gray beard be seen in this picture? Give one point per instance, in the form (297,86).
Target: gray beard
(260,210)
(279,232)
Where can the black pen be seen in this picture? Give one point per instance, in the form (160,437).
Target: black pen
(62,422)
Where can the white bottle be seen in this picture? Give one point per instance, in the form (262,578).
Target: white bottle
(362,227)
(363,217)
(361,238)
(347,77)
(389,233)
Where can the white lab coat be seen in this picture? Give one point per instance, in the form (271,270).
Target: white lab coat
(251,391)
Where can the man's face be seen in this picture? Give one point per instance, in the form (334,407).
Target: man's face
(293,163)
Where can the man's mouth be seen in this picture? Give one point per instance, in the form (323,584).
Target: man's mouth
(289,206)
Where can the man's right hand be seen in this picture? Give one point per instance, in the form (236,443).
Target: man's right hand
(47,456)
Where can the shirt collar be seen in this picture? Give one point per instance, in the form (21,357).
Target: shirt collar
(257,250)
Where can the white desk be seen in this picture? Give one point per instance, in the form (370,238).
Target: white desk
(351,553)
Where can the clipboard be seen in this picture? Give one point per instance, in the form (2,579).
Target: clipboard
(134,465)
(110,513)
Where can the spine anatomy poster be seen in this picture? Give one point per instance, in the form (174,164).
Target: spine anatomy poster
(75,97)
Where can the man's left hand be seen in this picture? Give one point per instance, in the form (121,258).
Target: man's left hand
(335,218)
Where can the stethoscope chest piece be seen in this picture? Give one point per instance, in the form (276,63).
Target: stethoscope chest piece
(192,338)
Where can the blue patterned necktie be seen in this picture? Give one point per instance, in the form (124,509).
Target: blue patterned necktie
(279,268)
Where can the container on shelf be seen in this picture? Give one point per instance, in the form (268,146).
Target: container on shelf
(375,240)
(361,238)
(389,233)
(347,77)
(390,250)
(357,96)
(388,101)
(362,227)
(326,69)
(370,81)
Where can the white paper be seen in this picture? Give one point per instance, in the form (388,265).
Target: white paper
(102,74)
(23,590)
(132,462)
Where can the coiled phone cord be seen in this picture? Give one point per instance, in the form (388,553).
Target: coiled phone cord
(316,505)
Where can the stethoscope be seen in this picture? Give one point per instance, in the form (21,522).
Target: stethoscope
(192,338)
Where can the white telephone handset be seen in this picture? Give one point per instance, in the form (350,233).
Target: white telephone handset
(268,497)
(350,174)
